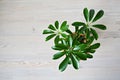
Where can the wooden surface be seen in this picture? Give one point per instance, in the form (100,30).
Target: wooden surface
(24,55)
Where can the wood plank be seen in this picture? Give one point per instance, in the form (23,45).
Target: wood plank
(24,55)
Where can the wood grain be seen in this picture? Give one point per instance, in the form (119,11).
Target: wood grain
(24,55)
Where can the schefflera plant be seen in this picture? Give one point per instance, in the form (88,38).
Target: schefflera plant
(75,45)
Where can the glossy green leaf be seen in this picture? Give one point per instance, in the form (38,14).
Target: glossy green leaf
(100,26)
(75,41)
(92,51)
(56,48)
(76,48)
(77,24)
(64,26)
(95,35)
(47,32)
(89,56)
(81,55)
(58,55)
(82,29)
(69,31)
(75,62)
(51,27)
(77,58)
(87,33)
(89,50)
(62,46)
(56,40)
(91,14)
(56,24)
(70,41)
(91,39)
(64,35)
(83,46)
(76,29)
(63,64)
(70,62)
(64,42)
(95,46)
(86,15)
(98,15)
(50,37)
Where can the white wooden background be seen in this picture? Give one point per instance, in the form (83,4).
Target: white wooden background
(24,55)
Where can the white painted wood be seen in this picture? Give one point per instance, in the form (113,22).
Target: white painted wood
(24,55)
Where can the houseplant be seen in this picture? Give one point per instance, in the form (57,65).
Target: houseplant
(78,45)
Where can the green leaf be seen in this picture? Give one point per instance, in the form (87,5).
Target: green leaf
(77,24)
(47,32)
(100,26)
(64,26)
(91,39)
(75,41)
(64,35)
(62,46)
(85,12)
(98,15)
(69,61)
(63,64)
(56,48)
(77,58)
(89,50)
(56,40)
(81,55)
(76,48)
(51,27)
(95,46)
(94,33)
(91,14)
(58,55)
(68,31)
(64,42)
(89,56)
(82,46)
(82,29)
(56,24)
(92,51)
(70,41)
(87,33)
(75,62)
(50,37)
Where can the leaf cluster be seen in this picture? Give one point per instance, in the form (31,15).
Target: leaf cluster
(75,45)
